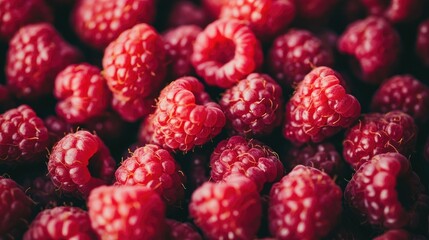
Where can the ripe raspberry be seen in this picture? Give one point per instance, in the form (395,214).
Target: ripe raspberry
(181,231)
(187,13)
(80,162)
(254,106)
(126,212)
(422,42)
(395,234)
(23,135)
(315,9)
(403,93)
(266,18)
(319,108)
(305,204)
(386,193)
(36,54)
(249,158)
(376,133)
(155,168)
(61,223)
(227,210)
(97,23)
(295,54)
(82,93)
(42,191)
(225,52)
(133,109)
(374,44)
(57,128)
(185,116)
(394,10)
(146,130)
(213,7)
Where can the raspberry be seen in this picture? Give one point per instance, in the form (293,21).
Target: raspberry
(155,168)
(146,130)
(213,7)
(36,54)
(422,42)
(266,18)
(394,10)
(305,204)
(227,210)
(394,234)
(249,158)
(404,93)
(182,231)
(133,109)
(315,9)
(319,108)
(126,212)
(376,133)
(254,106)
(295,54)
(57,128)
(109,127)
(386,193)
(42,191)
(80,162)
(187,13)
(97,23)
(185,116)
(61,223)
(374,44)
(23,135)
(225,52)
(179,44)
(82,93)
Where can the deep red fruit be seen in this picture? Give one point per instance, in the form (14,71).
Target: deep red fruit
(374,44)
(80,162)
(386,193)
(376,133)
(61,223)
(187,13)
(146,130)
(133,109)
(227,210)
(36,54)
(305,204)
(197,168)
(315,9)
(249,158)
(181,231)
(97,23)
(126,212)
(57,128)
(394,10)
(319,108)
(42,191)
(23,135)
(395,234)
(296,53)
(422,42)
(226,52)
(213,7)
(109,127)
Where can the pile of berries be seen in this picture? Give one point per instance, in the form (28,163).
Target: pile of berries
(214,119)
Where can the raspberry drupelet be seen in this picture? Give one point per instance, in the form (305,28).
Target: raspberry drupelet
(422,42)
(181,231)
(394,10)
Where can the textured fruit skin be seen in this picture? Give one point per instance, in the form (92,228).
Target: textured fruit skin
(377,133)
(314,9)
(226,52)
(82,93)
(155,168)
(23,135)
(80,162)
(61,223)
(185,116)
(254,106)
(294,54)
(305,204)
(422,42)
(97,23)
(36,54)
(374,44)
(126,212)
(182,231)
(373,192)
(187,13)
(227,210)
(249,158)
(319,108)
(394,10)
(133,109)
(403,93)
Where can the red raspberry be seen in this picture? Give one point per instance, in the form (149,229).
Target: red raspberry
(185,116)
(395,234)
(422,42)
(126,212)
(213,7)
(42,191)
(82,93)
(187,13)
(386,193)
(133,109)
(249,158)
(182,231)
(155,168)
(305,204)
(225,52)
(61,223)
(80,162)
(97,23)
(254,106)
(375,44)
(23,135)
(36,54)
(57,128)
(376,133)
(146,130)
(319,108)
(227,210)
(315,9)
(266,18)
(394,10)
(403,93)
(295,54)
